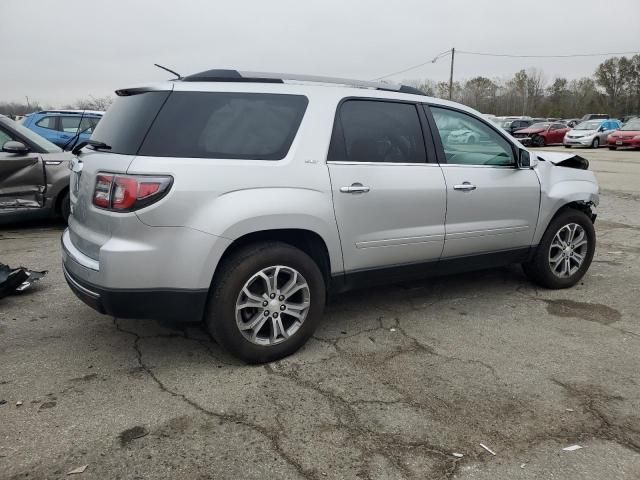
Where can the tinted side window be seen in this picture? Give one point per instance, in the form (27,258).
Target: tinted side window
(378,131)
(47,122)
(469,141)
(253,126)
(69,124)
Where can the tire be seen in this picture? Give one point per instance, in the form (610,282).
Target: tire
(240,273)
(595,143)
(612,148)
(539,268)
(65,207)
(567,146)
(538,141)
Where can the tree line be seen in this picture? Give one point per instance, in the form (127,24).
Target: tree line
(614,88)
(13,109)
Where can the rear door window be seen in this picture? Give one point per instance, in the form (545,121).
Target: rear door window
(378,131)
(254,126)
(47,122)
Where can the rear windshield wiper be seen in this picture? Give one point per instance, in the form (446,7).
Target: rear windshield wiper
(97,145)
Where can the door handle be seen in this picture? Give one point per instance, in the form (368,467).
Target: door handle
(355,188)
(465,187)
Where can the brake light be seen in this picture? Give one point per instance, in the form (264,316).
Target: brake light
(126,193)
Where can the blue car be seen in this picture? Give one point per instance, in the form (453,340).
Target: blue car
(63,127)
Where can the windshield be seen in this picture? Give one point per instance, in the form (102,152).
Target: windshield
(631,125)
(540,125)
(33,137)
(588,125)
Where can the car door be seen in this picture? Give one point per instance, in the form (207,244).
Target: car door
(22,178)
(556,133)
(492,206)
(47,127)
(388,191)
(608,128)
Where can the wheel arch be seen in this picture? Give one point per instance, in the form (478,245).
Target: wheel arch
(308,241)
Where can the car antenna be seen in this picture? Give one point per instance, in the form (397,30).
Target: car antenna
(179,77)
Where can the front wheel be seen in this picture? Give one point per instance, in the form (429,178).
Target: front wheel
(266,301)
(538,141)
(595,143)
(65,207)
(565,251)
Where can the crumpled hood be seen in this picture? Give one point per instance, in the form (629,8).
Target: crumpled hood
(562,159)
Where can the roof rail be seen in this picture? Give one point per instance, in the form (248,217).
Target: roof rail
(266,77)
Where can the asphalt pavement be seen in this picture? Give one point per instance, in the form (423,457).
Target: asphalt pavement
(395,383)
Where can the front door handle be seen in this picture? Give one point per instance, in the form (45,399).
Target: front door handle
(465,187)
(355,188)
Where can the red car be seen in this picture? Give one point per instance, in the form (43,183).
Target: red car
(541,134)
(627,136)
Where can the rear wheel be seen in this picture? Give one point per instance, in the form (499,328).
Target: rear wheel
(565,251)
(595,143)
(266,301)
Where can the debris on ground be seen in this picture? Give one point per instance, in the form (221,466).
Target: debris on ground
(487,449)
(572,448)
(568,409)
(392,329)
(19,403)
(458,455)
(80,469)
(16,280)
(131,434)
(522,465)
(2,402)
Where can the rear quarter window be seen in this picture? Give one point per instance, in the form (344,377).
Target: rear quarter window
(252,126)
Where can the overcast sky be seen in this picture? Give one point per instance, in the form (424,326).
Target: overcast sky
(56,51)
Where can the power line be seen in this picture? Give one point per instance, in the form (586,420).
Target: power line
(433,60)
(571,55)
(489,54)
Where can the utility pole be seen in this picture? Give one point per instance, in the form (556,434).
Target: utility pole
(453,54)
(28,105)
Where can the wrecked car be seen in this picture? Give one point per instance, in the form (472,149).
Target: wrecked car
(34,175)
(244,200)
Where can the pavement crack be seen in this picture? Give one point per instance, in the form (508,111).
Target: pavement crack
(225,417)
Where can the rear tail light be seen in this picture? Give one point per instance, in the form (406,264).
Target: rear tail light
(125,193)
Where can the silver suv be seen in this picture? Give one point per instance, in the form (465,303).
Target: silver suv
(245,199)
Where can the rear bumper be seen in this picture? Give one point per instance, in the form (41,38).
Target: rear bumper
(160,304)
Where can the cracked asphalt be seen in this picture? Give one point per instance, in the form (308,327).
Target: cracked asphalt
(395,381)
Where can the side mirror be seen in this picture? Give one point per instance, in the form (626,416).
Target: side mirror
(524,159)
(17,148)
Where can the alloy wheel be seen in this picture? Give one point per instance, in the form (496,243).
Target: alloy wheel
(568,250)
(272,305)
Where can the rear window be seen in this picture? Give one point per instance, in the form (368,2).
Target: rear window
(127,121)
(253,126)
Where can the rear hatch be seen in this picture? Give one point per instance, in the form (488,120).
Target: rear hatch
(91,227)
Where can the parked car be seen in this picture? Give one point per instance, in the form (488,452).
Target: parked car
(512,126)
(627,118)
(243,199)
(592,133)
(34,175)
(627,136)
(542,134)
(595,116)
(62,127)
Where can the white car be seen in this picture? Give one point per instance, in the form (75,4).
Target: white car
(592,133)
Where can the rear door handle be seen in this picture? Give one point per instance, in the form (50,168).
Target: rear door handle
(465,187)
(355,188)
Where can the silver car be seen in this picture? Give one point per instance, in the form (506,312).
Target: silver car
(246,199)
(592,133)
